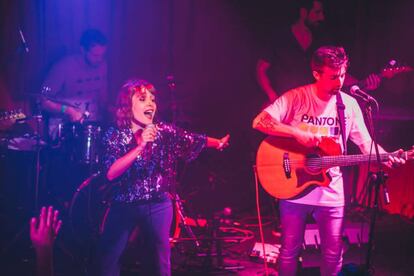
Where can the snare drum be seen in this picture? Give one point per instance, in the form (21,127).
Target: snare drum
(81,141)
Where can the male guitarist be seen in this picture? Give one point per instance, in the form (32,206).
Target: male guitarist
(306,114)
(283,64)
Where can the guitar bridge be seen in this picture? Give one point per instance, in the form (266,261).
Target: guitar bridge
(286,165)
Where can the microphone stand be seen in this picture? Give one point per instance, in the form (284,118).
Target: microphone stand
(174,116)
(39,119)
(376,180)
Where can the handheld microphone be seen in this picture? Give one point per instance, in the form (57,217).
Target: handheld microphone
(26,48)
(150,145)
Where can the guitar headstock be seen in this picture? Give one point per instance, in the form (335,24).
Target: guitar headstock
(14,114)
(409,154)
(8,118)
(394,68)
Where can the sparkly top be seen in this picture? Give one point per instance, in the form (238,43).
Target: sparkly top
(154,171)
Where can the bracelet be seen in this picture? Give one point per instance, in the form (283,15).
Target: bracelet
(63,108)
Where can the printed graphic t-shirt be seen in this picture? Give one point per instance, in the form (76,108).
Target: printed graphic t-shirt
(301,108)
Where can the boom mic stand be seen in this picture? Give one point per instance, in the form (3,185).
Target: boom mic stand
(377,180)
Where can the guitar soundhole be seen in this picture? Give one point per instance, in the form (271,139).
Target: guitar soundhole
(304,177)
(313,163)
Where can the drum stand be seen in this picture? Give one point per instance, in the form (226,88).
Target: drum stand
(37,168)
(38,118)
(180,212)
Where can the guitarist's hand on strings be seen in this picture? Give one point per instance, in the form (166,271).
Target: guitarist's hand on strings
(372,82)
(395,160)
(307,139)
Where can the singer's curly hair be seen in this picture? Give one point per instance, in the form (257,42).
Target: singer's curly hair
(331,56)
(124,101)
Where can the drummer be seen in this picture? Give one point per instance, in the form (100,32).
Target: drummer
(75,89)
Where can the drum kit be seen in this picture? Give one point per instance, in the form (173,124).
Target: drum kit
(19,132)
(25,138)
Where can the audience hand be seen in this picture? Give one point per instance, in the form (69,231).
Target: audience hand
(43,230)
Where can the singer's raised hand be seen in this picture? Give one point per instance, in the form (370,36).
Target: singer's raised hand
(218,144)
(224,142)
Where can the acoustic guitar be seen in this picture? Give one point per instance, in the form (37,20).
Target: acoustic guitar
(287,169)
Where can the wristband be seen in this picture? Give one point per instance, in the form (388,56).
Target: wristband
(63,108)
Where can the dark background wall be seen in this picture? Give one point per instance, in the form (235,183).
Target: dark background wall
(211,48)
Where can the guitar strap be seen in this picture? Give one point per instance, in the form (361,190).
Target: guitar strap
(346,171)
(341,114)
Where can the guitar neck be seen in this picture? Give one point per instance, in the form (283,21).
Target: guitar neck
(350,160)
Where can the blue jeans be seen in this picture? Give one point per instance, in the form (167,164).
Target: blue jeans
(293,221)
(154,221)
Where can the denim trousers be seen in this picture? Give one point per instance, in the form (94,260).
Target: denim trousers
(293,221)
(154,220)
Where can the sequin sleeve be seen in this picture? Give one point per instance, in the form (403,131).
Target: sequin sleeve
(187,145)
(115,146)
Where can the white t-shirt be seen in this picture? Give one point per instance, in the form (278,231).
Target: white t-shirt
(301,108)
(76,83)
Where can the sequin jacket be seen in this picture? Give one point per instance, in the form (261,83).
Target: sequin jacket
(154,170)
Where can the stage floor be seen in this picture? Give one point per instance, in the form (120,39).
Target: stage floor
(393,252)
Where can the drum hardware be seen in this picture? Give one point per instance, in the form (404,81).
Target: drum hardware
(85,184)
(82,141)
(183,221)
(19,117)
(38,119)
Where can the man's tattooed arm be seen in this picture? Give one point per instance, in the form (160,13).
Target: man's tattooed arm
(266,124)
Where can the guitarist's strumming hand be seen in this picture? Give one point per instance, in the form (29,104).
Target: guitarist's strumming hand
(307,139)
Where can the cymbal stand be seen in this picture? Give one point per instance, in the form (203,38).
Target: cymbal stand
(38,117)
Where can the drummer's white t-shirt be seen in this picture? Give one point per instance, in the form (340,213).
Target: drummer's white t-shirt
(76,83)
(301,108)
